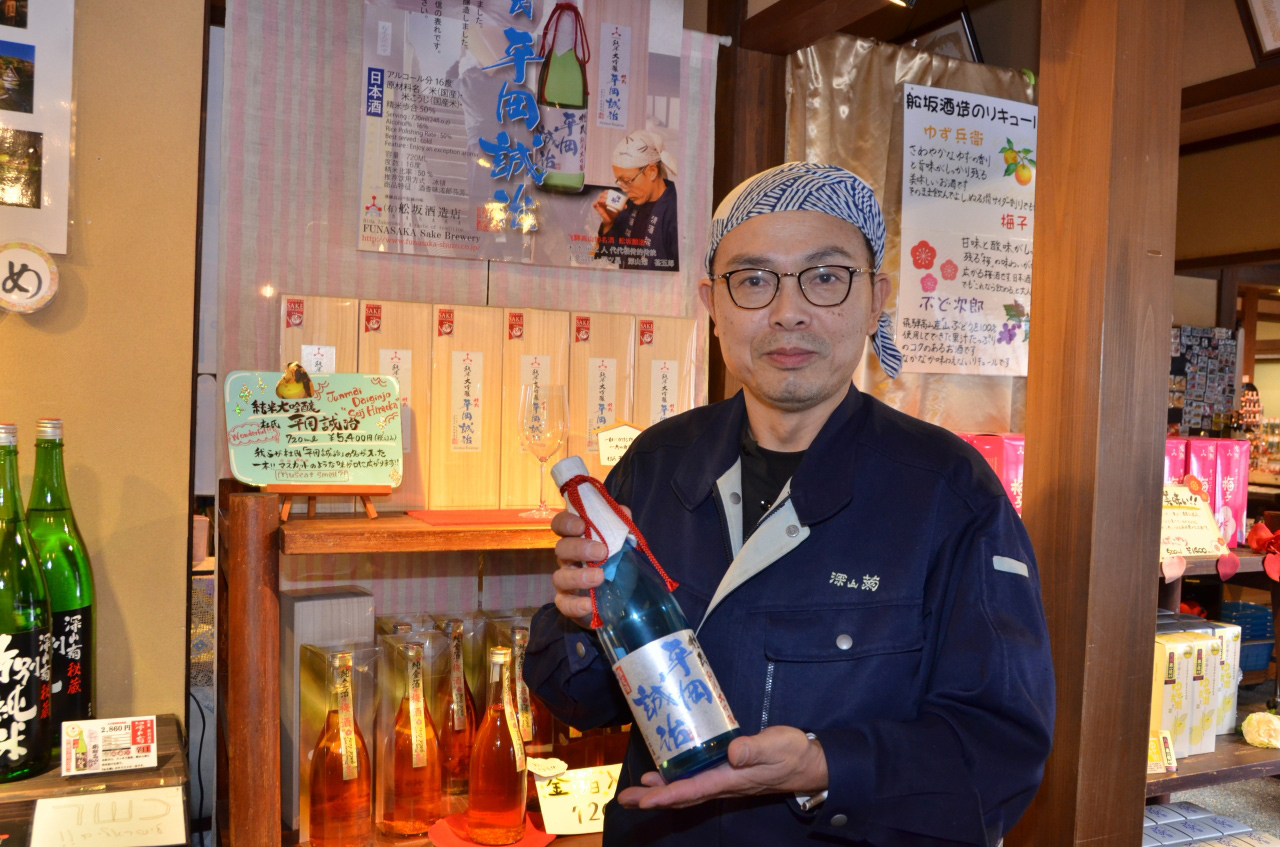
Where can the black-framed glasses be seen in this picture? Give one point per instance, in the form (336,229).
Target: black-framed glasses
(824,285)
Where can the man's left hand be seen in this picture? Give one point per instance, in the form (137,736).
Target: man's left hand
(780,760)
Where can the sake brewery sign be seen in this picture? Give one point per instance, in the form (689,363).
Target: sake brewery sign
(335,429)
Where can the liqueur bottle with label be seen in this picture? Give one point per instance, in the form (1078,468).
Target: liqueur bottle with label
(341,810)
(458,717)
(495,814)
(675,699)
(562,100)
(416,793)
(25,716)
(537,729)
(64,561)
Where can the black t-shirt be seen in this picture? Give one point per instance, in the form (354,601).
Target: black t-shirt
(764,472)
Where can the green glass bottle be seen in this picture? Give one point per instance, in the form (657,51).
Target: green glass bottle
(64,562)
(562,101)
(25,643)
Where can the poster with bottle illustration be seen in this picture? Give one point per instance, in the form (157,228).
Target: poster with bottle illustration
(968,215)
(522,130)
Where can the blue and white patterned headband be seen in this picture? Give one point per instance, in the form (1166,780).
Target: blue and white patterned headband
(805,187)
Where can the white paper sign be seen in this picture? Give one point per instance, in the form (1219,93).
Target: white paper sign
(664,388)
(968,215)
(399,364)
(615,76)
(465,400)
(99,746)
(151,817)
(1187,527)
(614,442)
(574,801)
(319,359)
(602,390)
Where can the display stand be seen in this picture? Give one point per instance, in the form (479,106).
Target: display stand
(288,492)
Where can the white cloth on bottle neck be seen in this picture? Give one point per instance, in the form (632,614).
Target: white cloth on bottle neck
(613,530)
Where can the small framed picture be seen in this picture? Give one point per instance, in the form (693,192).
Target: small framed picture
(951,36)
(1261,19)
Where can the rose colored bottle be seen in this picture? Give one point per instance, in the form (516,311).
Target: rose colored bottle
(341,779)
(416,788)
(537,729)
(495,814)
(458,728)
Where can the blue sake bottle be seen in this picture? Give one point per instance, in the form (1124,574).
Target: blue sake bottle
(678,706)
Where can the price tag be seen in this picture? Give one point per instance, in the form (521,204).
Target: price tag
(120,744)
(614,442)
(1187,527)
(574,801)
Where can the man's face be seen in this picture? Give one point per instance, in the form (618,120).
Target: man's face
(792,355)
(637,183)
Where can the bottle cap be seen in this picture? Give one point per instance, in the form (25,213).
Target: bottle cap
(8,435)
(49,429)
(499,654)
(566,469)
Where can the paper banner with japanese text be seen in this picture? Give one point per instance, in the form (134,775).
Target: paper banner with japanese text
(335,429)
(504,129)
(968,214)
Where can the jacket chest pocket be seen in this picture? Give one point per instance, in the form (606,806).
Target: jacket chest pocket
(825,667)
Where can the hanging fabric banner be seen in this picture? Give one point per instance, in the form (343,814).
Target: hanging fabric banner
(968,215)
(522,130)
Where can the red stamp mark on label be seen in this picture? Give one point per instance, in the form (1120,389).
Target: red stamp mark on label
(373,317)
(515,326)
(646,332)
(622,680)
(293,313)
(581,328)
(444,321)
(144,732)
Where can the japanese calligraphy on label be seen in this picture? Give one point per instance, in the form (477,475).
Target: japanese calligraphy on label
(663,389)
(674,697)
(346,433)
(488,126)
(968,214)
(602,391)
(465,400)
(573,802)
(1187,527)
(399,364)
(319,358)
(417,709)
(72,664)
(24,692)
(614,442)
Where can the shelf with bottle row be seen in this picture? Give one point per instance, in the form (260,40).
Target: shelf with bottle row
(400,533)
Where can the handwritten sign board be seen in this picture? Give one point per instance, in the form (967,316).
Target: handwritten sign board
(614,442)
(574,801)
(152,817)
(346,433)
(1187,527)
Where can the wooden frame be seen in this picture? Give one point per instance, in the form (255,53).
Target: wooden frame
(954,30)
(1264,44)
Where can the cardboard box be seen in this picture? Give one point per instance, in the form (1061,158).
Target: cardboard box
(1202,463)
(1204,684)
(1175,460)
(1170,691)
(1011,468)
(1228,635)
(1233,489)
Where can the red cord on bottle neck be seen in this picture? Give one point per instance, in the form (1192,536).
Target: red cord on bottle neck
(574,498)
(581,47)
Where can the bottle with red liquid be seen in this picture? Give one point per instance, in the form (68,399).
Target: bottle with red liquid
(537,730)
(415,795)
(341,796)
(495,813)
(458,726)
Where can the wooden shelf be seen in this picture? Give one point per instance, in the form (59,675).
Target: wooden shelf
(1250,562)
(1232,760)
(399,533)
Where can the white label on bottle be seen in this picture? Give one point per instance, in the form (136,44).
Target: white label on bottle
(319,359)
(602,390)
(466,388)
(347,726)
(417,712)
(533,369)
(399,364)
(512,719)
(615,72)
(564,140)
(664,388)
(675,698)
(456,682)
(524,709)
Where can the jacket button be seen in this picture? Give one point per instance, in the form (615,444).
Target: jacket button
(581,649)
(735,498)
(793,531)
(844,642)
(839,820)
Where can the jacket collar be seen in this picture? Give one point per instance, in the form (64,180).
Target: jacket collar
(822,484)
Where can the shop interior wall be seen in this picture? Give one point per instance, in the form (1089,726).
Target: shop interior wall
(1227,200)
(112,353)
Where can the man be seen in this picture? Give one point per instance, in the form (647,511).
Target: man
(861,585)
(642,234)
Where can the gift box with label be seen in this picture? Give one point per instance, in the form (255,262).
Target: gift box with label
(1175,460)
(1233,489)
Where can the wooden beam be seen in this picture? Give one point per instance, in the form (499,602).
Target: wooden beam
(1227,292)
(1249,321)
(1236,105)
(791,25)
(1270,349)
(1253,257)
(1104,250)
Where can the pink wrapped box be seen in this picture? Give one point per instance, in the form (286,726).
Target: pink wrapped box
(1175,460)
(1202,463)
(992,449)
(1233,488)
(1010,470)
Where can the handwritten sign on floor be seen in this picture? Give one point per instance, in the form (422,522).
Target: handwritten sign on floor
(151,817)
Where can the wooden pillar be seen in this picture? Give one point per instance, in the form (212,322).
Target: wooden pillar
(1096,395)
(248,628)
(751,118)
(1228,292)
(1249,319)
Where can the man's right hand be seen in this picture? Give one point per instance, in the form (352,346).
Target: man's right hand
(573,579)
(606,214)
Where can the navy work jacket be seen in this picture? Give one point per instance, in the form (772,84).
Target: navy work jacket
(889,603)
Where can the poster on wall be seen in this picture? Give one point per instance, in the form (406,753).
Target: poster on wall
(968,215)
(522,130)
(35,121)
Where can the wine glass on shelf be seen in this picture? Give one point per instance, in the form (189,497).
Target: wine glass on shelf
(544,415)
